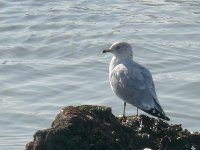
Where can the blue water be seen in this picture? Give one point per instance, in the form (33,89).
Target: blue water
(50,57)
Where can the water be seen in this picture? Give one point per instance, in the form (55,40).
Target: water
(50,57)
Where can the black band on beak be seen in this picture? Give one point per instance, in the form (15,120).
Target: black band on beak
(106,50)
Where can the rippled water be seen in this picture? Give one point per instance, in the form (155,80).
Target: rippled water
(50,57)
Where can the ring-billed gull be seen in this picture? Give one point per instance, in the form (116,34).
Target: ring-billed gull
(132,82)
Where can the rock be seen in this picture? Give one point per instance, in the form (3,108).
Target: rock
(96,128)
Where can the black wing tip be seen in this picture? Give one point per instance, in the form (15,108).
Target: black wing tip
(166,118)
(156,113)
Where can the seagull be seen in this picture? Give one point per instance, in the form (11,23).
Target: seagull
(132,82)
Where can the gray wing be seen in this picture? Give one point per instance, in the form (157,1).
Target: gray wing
(134,84)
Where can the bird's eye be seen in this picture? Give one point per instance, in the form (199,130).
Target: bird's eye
(118,47)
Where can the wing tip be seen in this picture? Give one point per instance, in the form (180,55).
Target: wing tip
(156,113)
(166,118)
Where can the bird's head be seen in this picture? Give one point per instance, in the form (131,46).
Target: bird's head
(120,49)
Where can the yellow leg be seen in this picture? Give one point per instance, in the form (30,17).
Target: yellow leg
(124,109)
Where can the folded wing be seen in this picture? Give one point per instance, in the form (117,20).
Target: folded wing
(135,86)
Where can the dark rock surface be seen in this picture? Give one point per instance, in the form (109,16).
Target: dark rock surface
(96,128)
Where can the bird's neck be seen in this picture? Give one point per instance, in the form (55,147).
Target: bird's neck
(118,60)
